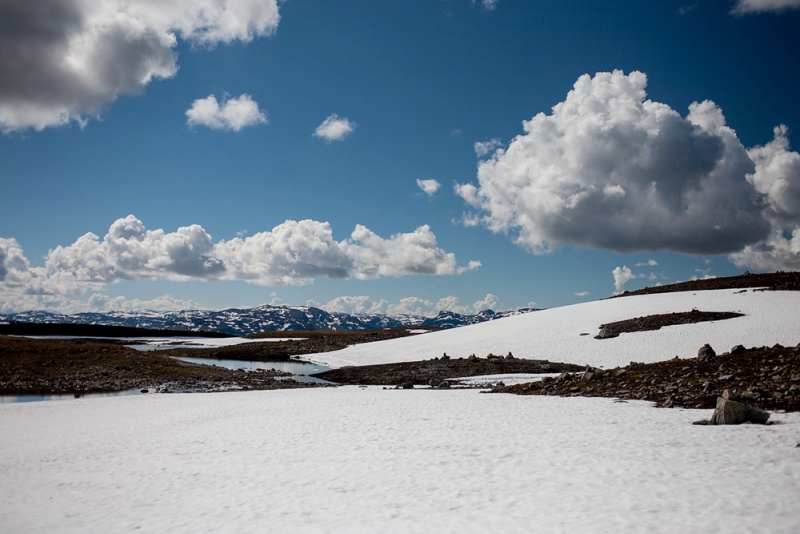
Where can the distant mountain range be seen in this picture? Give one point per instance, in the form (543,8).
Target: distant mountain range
(264,318)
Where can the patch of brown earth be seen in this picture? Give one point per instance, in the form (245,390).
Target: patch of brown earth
(38,366)
(768,378)
(655,322)
(421,372)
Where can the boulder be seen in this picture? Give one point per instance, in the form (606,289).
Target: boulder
(738,349)
(433,382)
(606,332)
(407,385)
(730,412)
(706,353)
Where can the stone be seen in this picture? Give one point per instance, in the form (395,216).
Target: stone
(706,353)
(433,382)
(730,412)
(587,376)
(606,333)
(444,384)
(407,385)
(472,358)
(738,349)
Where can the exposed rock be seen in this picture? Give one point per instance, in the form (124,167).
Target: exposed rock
(738,349)
(434,382)
(605,333)
(730,412)
(407,385)
(706,353)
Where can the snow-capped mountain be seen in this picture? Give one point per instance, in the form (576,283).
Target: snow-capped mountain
(264,318)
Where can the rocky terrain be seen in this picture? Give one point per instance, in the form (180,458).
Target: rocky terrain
(439,369)
(765,377)
(778,281)
(655,322)
(35,366)
(306,342)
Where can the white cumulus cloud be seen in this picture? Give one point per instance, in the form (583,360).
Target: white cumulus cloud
(234,113)
(429,187)
(407,306)
(334,128)
(764,6)
(292,253)
(777,177)
(622,275)
(65,60)
(611,169)
(483,148)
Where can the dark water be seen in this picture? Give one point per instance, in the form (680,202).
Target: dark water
(68,396)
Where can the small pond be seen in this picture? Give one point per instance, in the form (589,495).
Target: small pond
(300,370)
(69,396)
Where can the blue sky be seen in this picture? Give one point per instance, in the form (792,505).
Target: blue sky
(191,142)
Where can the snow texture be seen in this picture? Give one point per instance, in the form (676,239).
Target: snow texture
(555,334)
(367,460)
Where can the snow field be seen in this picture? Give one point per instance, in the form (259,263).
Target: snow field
(367,460)
(555,334)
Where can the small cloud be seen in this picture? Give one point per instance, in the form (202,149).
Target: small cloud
(456,132)
(483,148)
(473,265)
(531,304)
(651,263)
(488,5)
(334,128)
(581,293)
(685,9)
(234,114)
(429,187)
(744,7)
(241,233)
(622,275)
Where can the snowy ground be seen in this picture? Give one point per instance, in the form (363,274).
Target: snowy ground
(355,459)
(555,334)
(372,460)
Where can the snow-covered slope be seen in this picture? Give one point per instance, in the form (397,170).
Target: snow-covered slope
(555,334)
(368,460)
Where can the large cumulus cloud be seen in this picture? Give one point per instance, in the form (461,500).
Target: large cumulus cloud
(611,169)
(64,60)
(764,6)
(292,253)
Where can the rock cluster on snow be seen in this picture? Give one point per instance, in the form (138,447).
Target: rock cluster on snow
(766,378)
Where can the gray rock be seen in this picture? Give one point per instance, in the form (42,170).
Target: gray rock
(706,353)
(738,349)
(605,333)
(730,412)
(433,382)
(444,384)
(407,385)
